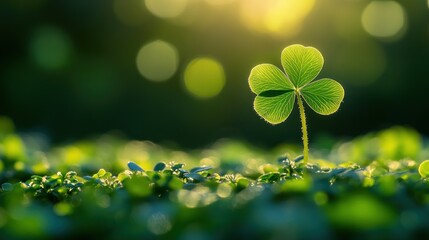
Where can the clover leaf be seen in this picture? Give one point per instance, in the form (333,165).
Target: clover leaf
(276,91)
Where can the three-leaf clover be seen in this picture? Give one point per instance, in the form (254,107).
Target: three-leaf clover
(276,91)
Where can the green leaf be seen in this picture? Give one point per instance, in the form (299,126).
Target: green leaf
(424,168)
(138,186)
(101,172)
(175,183)
(159,167)
(199,169)
(194,176)
(270,177)
(302,64)
(7,187)
(275,109)
(134,167)
(123,175)
(323,96)
(267,77)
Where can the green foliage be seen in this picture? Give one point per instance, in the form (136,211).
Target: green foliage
(276,91)
(152,192)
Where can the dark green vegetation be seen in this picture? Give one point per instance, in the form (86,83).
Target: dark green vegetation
(113,188)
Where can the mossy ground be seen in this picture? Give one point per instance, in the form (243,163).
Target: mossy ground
(113,188)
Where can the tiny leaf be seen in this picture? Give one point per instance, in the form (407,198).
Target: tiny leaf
(134,167)
(275,109)
(302,64)
(270,177)
(298,158)
(178,166)
(194,176)
(424,168)
(7,186)
(199,169)
(88,178)
(159,167)
(323,96)
(267,77)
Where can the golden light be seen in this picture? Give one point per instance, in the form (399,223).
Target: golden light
(157,61)
(224,190)
(204,77)
(73,155)
(166,8)
(219,2)
(383,19)
(199,197)
(13,147)
(278,17)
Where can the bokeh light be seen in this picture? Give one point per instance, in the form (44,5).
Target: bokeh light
(219,2)
(159,223)
(50,48)
(278,17)
(166,8)
(384,19)
(204,77)
(129,12)
(95,64)
(157,60)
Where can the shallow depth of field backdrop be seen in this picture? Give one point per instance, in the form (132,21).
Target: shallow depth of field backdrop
(175,71)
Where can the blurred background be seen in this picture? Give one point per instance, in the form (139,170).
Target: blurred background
(175,71)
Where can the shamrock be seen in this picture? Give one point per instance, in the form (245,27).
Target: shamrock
(276,90)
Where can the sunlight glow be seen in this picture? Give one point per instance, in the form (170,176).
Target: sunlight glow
(63,209)
(166,8)
(383,18)
(219,2)
(199,197)
(278,17)
(157,61)
(73,155)
(204,77)
(224,190)
(13,147)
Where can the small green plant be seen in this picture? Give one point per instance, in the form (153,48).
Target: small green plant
(276,90)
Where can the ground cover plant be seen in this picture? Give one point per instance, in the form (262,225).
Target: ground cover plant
(374,186)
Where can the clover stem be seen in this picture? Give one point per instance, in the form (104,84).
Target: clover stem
(304,126)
